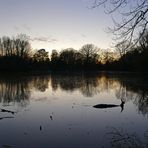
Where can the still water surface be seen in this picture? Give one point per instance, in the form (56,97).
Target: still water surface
(56,111)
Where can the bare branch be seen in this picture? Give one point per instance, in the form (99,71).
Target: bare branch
(134,17)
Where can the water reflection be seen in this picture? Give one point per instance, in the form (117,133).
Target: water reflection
(134,89)
(14,90)
(40,83)
(18,90)
(87,85)
(59,107)
(118,137)
(126,88)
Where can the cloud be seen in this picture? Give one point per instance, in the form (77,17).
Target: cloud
(83,35)
(44,39)
(16,28)
(26,27)
(22,28)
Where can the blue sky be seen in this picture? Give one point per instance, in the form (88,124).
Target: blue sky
(55,24)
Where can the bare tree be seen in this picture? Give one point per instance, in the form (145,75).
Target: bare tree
(133,14)
(143,42)
(18,46)
(68,56)
(121,48)
(89,53)
(24,45)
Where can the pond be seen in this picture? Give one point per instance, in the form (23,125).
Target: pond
(74,111)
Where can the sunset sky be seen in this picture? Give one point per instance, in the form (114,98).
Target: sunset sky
(56,24)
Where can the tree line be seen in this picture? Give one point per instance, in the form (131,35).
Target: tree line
(90,57)
(85,58)
(134,57)
(16,54)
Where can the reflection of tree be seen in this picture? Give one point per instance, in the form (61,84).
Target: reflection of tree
(14,91)
(72,82)
(89,87)
(86,84)
(41,83)
(54,82)
(126,88)
(121,139)
(136,90)
(141,102)
(123,94)
(66,82)
(18,90)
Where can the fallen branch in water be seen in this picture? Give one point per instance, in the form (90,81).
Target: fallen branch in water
(1,118)
(8,111)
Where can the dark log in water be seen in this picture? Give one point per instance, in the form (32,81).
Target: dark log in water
(101,106)
(104,106)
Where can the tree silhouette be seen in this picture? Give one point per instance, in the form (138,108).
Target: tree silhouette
(54,59)
(22,42)
(54,56)
(89,53)
(41,55)
(121,48)
(68,57)
(18,46)
(144,40)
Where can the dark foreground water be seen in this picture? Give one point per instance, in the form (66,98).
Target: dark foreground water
(56,111)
